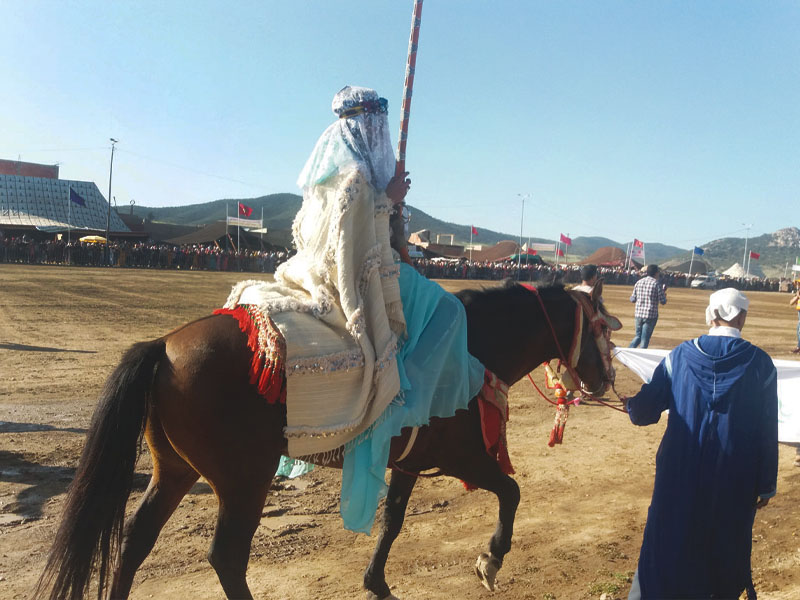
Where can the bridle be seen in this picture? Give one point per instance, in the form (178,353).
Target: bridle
(601,332)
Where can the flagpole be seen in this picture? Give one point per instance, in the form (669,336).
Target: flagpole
(227,237)
(566,251)
(408,87)
(261,229)
(69,217)
(470,242)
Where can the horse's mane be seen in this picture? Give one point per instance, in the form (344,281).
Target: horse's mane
(508,289)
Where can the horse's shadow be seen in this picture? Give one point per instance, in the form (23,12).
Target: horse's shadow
(27,348)
(44,482)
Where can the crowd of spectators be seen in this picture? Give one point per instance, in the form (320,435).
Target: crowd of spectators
(570,274)
(203,257)
(211,257)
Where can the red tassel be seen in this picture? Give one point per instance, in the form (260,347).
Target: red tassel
(266,374)
(562,412)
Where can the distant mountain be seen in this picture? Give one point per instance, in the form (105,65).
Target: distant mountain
(279,211)
(776,249)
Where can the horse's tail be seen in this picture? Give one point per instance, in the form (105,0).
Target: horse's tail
(89,534)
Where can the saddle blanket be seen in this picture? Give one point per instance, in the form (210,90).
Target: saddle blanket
(323,366)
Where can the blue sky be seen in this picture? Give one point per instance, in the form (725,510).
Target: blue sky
(673,122)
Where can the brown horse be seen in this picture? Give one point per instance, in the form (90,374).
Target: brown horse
(188,393)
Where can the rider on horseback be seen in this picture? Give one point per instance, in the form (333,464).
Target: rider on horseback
(346,258)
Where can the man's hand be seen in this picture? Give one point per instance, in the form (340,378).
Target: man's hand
(397,188)
(762,502)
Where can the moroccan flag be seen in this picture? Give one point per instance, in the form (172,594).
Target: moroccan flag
(474,231)
(559,252)
(245,210)
(755,255)
(77,199)
(638,243)
(531,252)
(699,251)
(566,240)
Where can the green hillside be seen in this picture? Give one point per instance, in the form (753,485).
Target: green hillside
(776,249)
(280,209)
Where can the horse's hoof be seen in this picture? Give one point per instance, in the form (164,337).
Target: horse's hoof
(486,569)
(374,596)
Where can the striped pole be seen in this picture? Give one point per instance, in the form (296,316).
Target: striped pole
(411,64)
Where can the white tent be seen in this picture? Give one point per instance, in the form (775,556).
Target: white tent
(737,272)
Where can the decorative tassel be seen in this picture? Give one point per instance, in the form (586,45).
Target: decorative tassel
(562,412)
(265,342)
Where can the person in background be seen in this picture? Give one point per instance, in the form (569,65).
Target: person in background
(648,293)
(588,279)
(795,301)
(717,462)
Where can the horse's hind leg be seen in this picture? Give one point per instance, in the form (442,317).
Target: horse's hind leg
(400,487)
(172,478)
(240,508)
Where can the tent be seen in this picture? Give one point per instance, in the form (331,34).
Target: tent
(698,266)
(95,239)
(737,272)
(609,256)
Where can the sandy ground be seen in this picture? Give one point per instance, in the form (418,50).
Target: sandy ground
(578,527)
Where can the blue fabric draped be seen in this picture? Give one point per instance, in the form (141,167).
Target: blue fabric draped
(437,377)
(719,454)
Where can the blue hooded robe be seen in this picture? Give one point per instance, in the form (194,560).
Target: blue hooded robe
(719,454)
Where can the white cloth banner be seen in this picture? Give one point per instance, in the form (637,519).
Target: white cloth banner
(637,252)
(644,361)
(241,222)
(541,247)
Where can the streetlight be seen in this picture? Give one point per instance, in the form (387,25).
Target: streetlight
(108,214)
(521,221)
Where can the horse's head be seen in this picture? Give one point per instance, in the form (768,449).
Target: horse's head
(591,355)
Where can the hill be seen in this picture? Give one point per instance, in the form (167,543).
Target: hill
(280,209)
(776,250)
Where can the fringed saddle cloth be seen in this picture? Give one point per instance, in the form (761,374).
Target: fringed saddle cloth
(318,364)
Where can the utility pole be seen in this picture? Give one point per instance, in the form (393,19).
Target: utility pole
(521,221)
(108,214)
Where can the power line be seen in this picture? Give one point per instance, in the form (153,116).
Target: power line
(195,171)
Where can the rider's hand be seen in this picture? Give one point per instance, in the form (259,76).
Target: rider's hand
(397,188)
(762,502)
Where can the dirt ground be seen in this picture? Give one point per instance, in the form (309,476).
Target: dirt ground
(578,528)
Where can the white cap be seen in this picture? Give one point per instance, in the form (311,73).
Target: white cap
(726,304)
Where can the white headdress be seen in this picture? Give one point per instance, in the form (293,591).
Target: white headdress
(725,304)
(359,139)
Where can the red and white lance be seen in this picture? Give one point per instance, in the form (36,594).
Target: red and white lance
(408,87)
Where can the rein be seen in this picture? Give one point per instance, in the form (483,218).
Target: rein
(574,352)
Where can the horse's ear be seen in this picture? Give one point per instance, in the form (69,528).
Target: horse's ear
(597,292)
(614,324)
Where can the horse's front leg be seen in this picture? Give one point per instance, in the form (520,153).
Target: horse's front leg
(400,487)
(485,473)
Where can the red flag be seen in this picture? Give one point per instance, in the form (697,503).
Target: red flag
(474,231)
(566,240)
(638,243)
(531,252)
(755,255)
(559,252)
(245,210)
